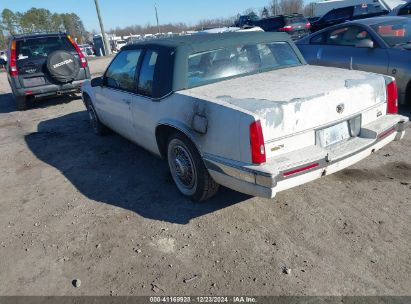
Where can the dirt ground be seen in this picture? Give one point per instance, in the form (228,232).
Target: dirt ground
(106,212)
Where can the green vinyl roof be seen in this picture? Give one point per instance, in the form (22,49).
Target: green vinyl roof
(174,53)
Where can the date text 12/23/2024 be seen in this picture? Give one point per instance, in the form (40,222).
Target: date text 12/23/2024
(203,299)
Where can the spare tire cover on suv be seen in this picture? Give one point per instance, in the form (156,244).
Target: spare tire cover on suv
(63,66)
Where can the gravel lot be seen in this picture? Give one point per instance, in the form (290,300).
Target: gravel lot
(106,212)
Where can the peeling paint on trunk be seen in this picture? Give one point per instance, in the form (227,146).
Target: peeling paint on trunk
(295,99)
(272,112)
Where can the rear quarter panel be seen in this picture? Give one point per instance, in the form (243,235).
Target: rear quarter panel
(226,132)
(400,63)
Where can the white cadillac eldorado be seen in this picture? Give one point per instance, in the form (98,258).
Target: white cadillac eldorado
(242,110)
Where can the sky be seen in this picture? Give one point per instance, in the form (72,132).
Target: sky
(122,13)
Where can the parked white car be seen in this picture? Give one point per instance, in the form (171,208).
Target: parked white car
(242,110)
(86,49)
(120,44)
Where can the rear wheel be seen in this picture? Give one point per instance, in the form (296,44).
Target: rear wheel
(21,102)
(95,122)
(187,169)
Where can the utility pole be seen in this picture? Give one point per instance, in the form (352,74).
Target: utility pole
(103,34)
(158,26)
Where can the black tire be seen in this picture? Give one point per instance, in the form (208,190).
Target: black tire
(188,170)
(63,66)
(21,102)
(97,126)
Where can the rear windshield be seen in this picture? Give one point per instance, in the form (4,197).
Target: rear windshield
(297,19)
(41,47)
(215,65)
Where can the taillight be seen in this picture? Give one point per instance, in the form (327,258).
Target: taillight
(308,25)
(287,28)
(13,59)
(79,52)
(257,143)
(392,98)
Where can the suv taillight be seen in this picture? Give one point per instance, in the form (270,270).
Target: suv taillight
(79,52)
(308,25)
(13,59)
(287,28)
(257,143)
(392,98)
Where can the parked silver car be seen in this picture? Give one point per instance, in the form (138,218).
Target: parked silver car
(381,45)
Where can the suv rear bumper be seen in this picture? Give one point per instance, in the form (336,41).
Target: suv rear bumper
(49,89)
(307,164)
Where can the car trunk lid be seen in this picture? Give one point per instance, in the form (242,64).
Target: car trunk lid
(293,100)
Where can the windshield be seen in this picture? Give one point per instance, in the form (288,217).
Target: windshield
(395,32)
(211,66)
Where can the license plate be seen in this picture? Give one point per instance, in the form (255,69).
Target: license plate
(33,81)
(332,135)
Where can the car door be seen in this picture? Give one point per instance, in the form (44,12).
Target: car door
(144,107)
(114,98)
(341,49)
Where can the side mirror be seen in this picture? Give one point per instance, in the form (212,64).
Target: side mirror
(97,82)
(365,43)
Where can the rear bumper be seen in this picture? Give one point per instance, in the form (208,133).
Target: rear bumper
(49,89)
(307,164)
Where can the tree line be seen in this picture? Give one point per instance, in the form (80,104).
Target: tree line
(39,20)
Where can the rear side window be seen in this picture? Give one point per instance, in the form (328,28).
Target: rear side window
(347,36)
(146,78)
(121,72)
(33,48)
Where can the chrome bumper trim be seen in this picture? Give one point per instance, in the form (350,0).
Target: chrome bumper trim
(268,180)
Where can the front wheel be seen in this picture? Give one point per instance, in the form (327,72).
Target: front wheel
(95,122)
(187,169)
